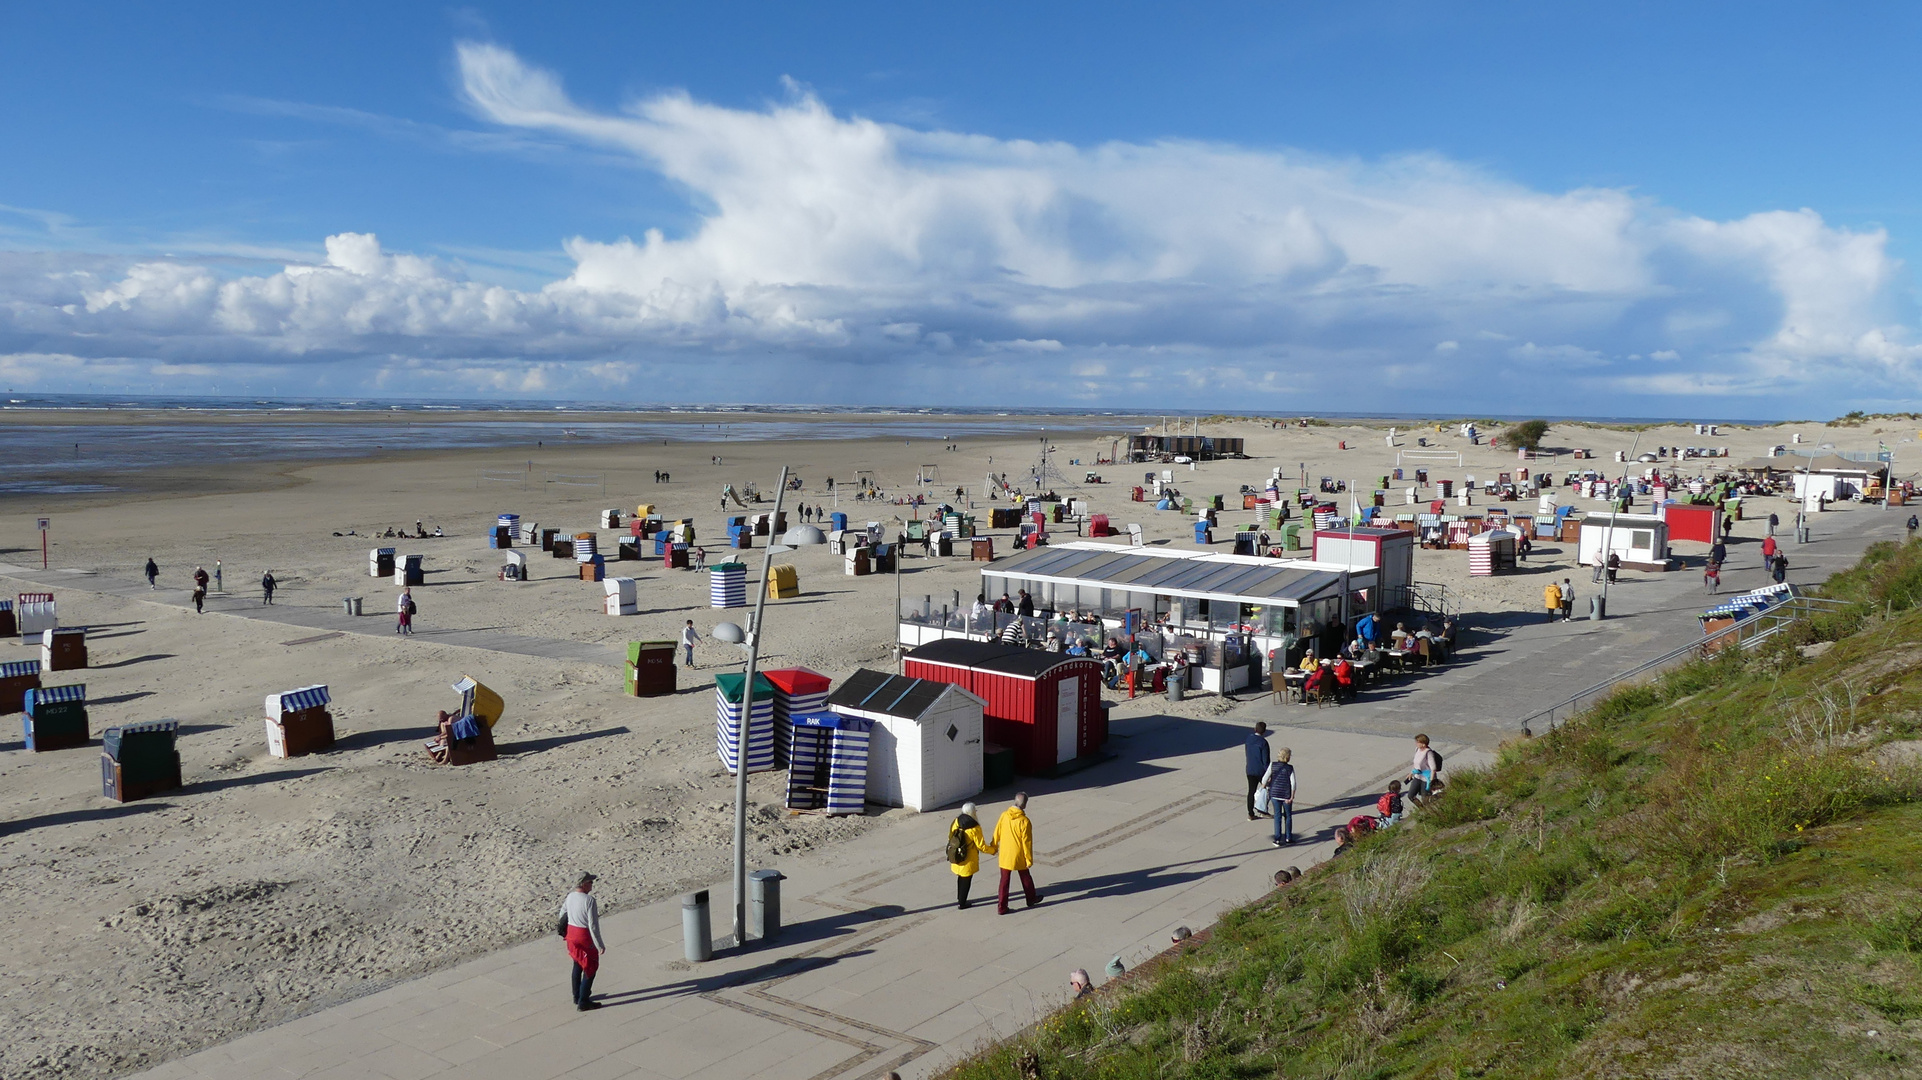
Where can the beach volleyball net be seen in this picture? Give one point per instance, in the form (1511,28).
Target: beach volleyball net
(584,481)
(516,477)
(1426,457)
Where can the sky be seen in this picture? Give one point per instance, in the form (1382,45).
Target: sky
(1619,209)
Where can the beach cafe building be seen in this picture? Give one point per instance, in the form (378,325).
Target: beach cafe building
(1224,603)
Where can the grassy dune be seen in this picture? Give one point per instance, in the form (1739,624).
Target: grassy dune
(1714,874)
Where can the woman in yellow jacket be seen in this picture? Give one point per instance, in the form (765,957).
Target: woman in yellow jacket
(1552,599)
(1014,846)
(968,828)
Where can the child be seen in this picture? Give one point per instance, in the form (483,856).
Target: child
(1389,805)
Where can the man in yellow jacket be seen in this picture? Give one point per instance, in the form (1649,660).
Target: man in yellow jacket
(1552,599)
(971,844)
(1014,846)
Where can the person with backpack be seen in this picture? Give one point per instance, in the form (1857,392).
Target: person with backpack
(1388,808)
(1255,750)
(1424,770)
(965,847)
(1281,797)
(405,623)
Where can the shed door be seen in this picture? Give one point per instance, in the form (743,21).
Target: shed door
(1067,719)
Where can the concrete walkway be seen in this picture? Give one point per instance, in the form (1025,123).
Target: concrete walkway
(379,622)
(876,970)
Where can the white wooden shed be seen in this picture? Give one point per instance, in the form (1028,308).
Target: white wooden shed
(926,747)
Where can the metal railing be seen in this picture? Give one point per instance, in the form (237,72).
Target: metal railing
(1420,596)
(1743,634)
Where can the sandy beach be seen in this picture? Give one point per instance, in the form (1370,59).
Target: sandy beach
(268,887)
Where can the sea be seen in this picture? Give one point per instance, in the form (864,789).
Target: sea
(84,458)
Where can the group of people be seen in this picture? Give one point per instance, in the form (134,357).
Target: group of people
(400,532)
(1559,599)
(1274,784)
(203,580)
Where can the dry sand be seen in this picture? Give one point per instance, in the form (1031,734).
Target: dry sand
(268,888)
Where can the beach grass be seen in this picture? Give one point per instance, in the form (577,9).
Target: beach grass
(1714,873)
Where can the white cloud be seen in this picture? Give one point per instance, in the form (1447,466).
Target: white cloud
(828,246)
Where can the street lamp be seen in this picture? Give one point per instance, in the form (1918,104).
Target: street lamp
(1608,531)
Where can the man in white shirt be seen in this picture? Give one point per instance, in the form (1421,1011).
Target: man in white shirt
(688,637)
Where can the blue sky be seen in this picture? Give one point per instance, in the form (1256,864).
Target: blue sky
(1236,207)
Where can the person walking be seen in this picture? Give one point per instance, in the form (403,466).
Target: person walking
(1718,553)
(1614,565)
(1552,599)
(1780,569)
(1423,771)
(1769,548)
(1914,523)
(267,588)
(1256,751)
(965,840)
(1774,521)
(200,589)
(404,624)
(1014,849)
(585,945)
(1601,565)
(1568,599)
(153,572)
(689,636)
(1281,797)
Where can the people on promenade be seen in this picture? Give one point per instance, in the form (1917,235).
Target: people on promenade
(1552,599)
(1256,752)
(1281,797)
(1014,849)
(965,840)
(267,584)
(584,942)
(1568,599)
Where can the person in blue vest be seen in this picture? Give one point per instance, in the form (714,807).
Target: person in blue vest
(1256,752)
(1281,797)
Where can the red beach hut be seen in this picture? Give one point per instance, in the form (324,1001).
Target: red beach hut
(1044,706)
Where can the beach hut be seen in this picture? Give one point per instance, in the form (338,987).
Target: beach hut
(298,722)
(138,761)
(1098,525)
(1702,524)
(585,546)
(610,519)
(925,748)
(63,648)
(797,690)
(16,678)
(408,571)
(594,568)
(828,763)
(727,721)
(649,669)
(34,613)
(56,717)
(506,529)
(784,582)
(1491,553)
(1044,706)
(727,585)
(1640,539)
(857,562)
(7,628)
(380,562)
(621,596)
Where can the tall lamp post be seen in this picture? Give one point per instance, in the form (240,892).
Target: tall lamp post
(1608,531)
(752,639)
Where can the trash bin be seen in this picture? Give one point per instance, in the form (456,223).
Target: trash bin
(1597,608)
(1177,684)
(697,939)
(350,605)
(764,904)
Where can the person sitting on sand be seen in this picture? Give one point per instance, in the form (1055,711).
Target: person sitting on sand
(437,531)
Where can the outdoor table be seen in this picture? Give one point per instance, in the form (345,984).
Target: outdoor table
(1296,681)
(1398,657)
(1366,670)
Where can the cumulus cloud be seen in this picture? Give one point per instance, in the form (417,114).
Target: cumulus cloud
(831,247)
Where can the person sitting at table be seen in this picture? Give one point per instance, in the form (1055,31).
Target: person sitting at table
(1078,648)
(1344,677)
(1320,684)
(1309,661)
(1401,638)
(1355,649)
(1112,650)
(1371,656)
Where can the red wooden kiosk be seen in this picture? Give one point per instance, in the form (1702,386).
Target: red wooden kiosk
(1044,706)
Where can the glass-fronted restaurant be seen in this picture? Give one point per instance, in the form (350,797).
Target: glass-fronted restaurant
(1227,604)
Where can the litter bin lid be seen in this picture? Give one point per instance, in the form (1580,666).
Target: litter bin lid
(766,875)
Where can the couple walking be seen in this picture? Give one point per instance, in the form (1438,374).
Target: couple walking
(1277,778)
(1012,845)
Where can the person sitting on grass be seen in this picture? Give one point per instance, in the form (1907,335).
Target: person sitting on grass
(1343,841)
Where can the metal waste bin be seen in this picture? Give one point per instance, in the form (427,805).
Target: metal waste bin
(764,904)
(350,605)
(1597,608)
(697,938)
(1177,684)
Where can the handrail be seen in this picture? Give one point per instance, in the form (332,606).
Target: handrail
(1743,634)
